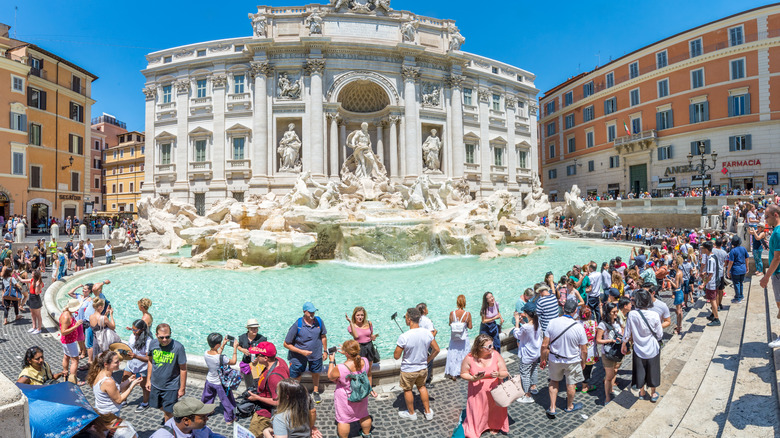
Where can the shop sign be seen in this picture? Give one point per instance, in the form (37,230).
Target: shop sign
(771,178)
(673,170)
(70,197)
(741,163)
(666,180)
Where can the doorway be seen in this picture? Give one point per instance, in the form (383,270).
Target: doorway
(69,211)
(39,213)
(638,178)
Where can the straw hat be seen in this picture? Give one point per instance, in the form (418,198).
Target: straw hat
(252,322)
(73,305)
(121,348)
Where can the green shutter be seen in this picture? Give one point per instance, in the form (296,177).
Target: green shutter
(706,111)
(690,110)
(694,148)
(749,142)
(707,149)
(731,106)
(747,103)
(669,151)
(732,144)
(658,126)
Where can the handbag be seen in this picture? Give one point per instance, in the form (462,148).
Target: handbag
(104,336)
(458,328)
(508,391)
(614,351)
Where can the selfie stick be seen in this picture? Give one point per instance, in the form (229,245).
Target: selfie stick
(393,317)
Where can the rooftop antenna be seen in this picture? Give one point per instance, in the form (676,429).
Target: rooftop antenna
(16,10)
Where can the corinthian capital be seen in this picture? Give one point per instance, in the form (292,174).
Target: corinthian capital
(219,81)
(260,68)
(456,81)
(484,95)
(150,93)
(410,73)
(183,86)
(315,66)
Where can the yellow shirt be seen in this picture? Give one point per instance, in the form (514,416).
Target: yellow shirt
(37,377)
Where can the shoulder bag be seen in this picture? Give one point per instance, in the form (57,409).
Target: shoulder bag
(614,351)
(556,338)
(647,324)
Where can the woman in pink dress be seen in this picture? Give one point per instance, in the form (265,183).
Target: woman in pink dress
(484,369)
(346,411)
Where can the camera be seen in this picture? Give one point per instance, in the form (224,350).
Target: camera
(332,350)
(230,338)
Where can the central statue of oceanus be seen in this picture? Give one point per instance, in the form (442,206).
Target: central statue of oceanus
(363,163)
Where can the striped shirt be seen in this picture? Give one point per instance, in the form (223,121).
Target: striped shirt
(547,309)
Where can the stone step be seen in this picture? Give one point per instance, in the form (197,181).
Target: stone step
(702,389)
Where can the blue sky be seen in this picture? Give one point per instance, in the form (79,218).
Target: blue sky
(554,40)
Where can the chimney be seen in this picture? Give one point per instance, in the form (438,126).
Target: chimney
(4,28)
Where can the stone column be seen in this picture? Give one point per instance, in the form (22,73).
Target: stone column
(260,70)
(343,140)
(219,150)
(380,141)
(410,74)
(334,144)
(181,148)
(150,156)
(393,154)
(317,150)
(511,150)
(402,149)
(457,147)
(485,158)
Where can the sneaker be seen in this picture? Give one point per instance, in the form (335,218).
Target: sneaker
(316,397)
(714,323)
(775,343)
(142,407)
(30,330)
(711,317)
(525,399)
(35,332)
(406,415)
(429,415)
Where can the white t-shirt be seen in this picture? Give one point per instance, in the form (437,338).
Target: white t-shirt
(645,340)
(107,248)
(415,343)
(609,334)
(426,323)
(212,361)
(88,250)
(606,279)
(566,349)
(529,342)
(661,309)
(712,268)
(135,365)
(596,281)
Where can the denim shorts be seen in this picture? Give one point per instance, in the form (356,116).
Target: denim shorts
(88,337)
(678,297)
(297,367)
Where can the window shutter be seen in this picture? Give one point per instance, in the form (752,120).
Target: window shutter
(748,142)
(658,126)
(29,96)
(707,149)
(70,143)
(671,118)
(694,149)
(747,103)
(12,123)
(706,111)
(42,99)
(669,152)
(732,144)
(81,145)
(731,106)
(660,155)
(23,126)
(606,106)
(690,110)
(40,62)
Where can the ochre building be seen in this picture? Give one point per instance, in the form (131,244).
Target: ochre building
(124,173)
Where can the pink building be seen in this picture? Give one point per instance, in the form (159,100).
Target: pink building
(107,127)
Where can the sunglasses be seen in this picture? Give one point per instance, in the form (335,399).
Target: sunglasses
(487,347)
(163,337)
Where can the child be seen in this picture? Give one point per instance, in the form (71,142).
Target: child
(213,389)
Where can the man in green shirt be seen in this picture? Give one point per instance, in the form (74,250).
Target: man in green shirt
(52,251)
(773,220)
(581,282)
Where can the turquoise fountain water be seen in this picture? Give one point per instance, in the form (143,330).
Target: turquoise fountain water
(196,302)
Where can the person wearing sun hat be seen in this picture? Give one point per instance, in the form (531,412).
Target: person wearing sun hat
(69,337)
(189,420)
(250,339)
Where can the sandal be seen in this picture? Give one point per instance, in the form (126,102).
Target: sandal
(654,398)
(574,407)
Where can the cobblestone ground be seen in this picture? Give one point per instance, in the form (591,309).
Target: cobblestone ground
(448,398)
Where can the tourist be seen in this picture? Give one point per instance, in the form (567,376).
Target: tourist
(214,361)
(773,221)
(689,279)
(594,295)
(295,416)
(265,397)
(581,281)
(347,410)
(246,341)
(86,309)
(722,257)
(109,252)
(307,342)
(139,343)
(460,324)
(167,371)
(62,268)
(108,396)
(737,268)
(89,253)
(527,297)
(589,325)
(35,370)
(643,329)
(427,324)
(413,346)
(52,256)
(80,256)
(758,242)
(566,341)
(69,338)
(12,294)
(549,280)
(710,281)
(609,332)
(659,307)
(100,323)
(362,330)
(546,307)
(529,344)
(69,251)
(677,283)
(569,293)
(617,282)
(490,313)
(144,304)
(189,421)
(484,369)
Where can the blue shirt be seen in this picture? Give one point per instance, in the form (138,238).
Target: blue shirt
(774,245)
(307,337)
(738,256)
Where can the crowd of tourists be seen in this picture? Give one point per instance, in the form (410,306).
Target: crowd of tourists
(571,322)
(681,193)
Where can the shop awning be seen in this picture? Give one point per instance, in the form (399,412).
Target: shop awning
(666,185)
(698,183)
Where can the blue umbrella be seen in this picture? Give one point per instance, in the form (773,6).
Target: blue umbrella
(57,411)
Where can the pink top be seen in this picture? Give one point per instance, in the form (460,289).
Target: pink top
(347,411)
(492,311)
(72,336)
(363,335)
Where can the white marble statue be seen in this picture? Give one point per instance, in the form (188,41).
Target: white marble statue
(431,150)
(382,4)
(431,95)
(365,160)
(409,31)
(337,4)
(259,25)
(314,23)
(456,39)
(289,151)
(289,89)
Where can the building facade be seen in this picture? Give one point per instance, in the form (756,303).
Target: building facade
(124,173)
(628,126)
(107,130)
(44,132)
(217,112)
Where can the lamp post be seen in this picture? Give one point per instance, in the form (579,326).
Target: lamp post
(702,169)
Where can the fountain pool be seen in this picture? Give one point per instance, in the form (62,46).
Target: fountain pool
(196,302)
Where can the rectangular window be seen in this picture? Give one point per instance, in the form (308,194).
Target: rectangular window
(76,145)
(740,143)
(238,84)
(735,36)
(700,112)
(568,98)
(498,156)
(635,97)
(201,53)
(166,93)
(75,84)
(614,161)
(116,154)
(97,183)
(467,96)
(571,144)
(739,105)
(470,149)
(121,188)
(633,69)
(664,153)
(571,170)
(551,129)
(569,120)
(200,150)
(76,112)
(591,166)
(201,88)
(132,168)
(611,132)
(18,122)
(587,114)
(35,177)
(589,139)
(131,188)
(552,173)
(35,134)
(97,145)
(113,188)
(17,84)
(552,150)
(610,105)
(238,148)
(36,98)
(737,69)
(200,203)
(17,159)
(661,59)
(550,107)
(496,102)
(74,181)
(695,147)
(522,159)
(695,47)
(122,153)
(165,153)
(664,120)
(697,78)
(121,169)
(663,88)
(587,89)
(610,79)
(167,59)
(238,48)
(636,125)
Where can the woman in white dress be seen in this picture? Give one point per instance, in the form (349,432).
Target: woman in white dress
(460,324)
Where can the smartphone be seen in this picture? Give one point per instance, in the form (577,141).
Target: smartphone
(480,374)
(230,338)
(332,350)
(123,352)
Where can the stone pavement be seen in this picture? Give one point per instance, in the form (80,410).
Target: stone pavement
(447,398)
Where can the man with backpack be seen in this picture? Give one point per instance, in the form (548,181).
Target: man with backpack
(307,342)
(274,371)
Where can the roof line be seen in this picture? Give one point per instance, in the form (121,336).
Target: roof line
(58,58)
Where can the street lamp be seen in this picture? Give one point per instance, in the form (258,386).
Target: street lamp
(702,169)
(71,163)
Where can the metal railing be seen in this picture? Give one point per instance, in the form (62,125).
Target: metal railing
(644,135)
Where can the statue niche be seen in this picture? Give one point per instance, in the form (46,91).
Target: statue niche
(289,151)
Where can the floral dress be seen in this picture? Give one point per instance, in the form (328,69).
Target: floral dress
(590,332)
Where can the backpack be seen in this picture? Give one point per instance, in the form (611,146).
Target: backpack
(4,255)
(300,325)
(10,290)
(229,377)
(458,328)
(359,384)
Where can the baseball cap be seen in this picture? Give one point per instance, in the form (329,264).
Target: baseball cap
(613,292)
(570,306)
(309,307)
(266,349)
(187,406)
(530,307)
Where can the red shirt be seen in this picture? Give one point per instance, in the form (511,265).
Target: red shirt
(266,385)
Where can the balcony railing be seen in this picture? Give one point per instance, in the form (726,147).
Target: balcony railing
(238,164)
(238,96)
(164,168)
(238,168)
(200,169)
(650,134)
